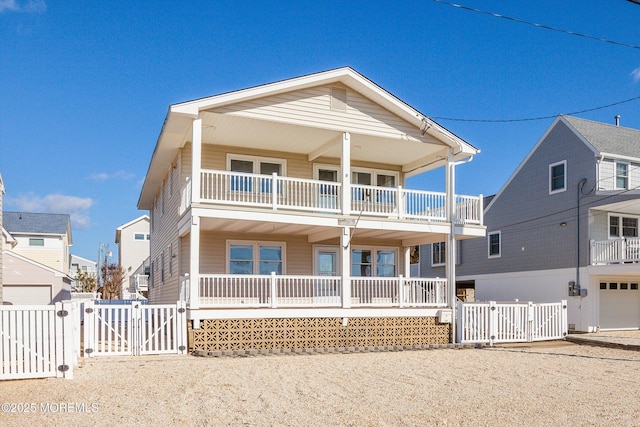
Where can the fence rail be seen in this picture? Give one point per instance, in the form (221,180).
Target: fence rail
(616,251)
(493,322)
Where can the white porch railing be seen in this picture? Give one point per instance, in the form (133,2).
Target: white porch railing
(492,322)
(273,291)
(278,192)
(625,249)
(139,282)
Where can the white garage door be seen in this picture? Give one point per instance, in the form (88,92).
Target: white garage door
(27,294)
(619,305)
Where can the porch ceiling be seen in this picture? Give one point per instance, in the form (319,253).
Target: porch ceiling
(245,132)
(313,233)
(631,207)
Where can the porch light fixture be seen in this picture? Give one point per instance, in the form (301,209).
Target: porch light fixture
(563,224)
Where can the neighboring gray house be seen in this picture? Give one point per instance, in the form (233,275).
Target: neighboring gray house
(564,226)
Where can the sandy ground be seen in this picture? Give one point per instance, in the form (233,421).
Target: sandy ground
(559,384)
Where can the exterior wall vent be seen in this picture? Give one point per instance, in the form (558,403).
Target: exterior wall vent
(338,99)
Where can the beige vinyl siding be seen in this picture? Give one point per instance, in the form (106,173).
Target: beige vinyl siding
(312,107)
(164,235)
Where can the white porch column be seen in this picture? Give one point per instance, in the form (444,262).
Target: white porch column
(407,261)
(450,245)
(194,263)
(196,159)
(345,263)
(345,161)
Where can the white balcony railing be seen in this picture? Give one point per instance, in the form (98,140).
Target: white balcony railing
(273,291)
(617,251)
(285,193)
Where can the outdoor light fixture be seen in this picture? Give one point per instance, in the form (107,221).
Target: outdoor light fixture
(563,224)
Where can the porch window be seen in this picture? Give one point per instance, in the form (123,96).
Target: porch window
(386,263)
(361,263)
(438,253)
(364,264)
(622,176)
(256,258)
(494,244)
(558,177)
(620,226)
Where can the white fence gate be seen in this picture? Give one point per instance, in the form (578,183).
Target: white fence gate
(492,322)
(39,341)
(134,329)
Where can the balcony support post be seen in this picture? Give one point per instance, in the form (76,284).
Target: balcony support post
(194,263)
(345,162)
(450,260)
(196,159)
(345,264)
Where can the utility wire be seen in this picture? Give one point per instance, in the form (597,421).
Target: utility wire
(533,24)
(454,119)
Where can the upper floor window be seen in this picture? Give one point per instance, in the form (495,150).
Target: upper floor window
(557,177)
(494,241)
(256,258)
(141,236)
(622,176)
(254,165)
(620,226)
(33,241)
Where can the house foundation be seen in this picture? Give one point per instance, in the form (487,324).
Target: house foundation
(315,333)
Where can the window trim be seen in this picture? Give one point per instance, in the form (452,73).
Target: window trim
(620,231)
(444,255)
(626,177)
(374,261)
(493,233)
(40,241)
(564,184)
(256,160)
(256,253)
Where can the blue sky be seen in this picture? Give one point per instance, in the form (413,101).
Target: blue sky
(85,85)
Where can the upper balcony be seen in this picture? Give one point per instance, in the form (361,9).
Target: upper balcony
(279,193)
(616,251)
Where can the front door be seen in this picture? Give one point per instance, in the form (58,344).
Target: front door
(326,289)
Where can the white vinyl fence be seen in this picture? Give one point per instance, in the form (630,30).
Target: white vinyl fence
(134,329)
(39,341)
(492,322)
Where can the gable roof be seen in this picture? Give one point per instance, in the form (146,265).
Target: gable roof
(36,223)
(601,138)
(420,131)
(606,138)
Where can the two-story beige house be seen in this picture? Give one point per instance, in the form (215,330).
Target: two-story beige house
(36,258)
(281,213)
(132,239)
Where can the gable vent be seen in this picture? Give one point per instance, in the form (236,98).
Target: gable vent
(338,99)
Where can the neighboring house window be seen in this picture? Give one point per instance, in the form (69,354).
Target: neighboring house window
(170,259)
(558,177)
(36,241)
(494,244)
(438,252)
(621,226)
(622,176)
(364,264)
(256,258)
(138,236)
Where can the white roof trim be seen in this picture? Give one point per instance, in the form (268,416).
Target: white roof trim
(58,273)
